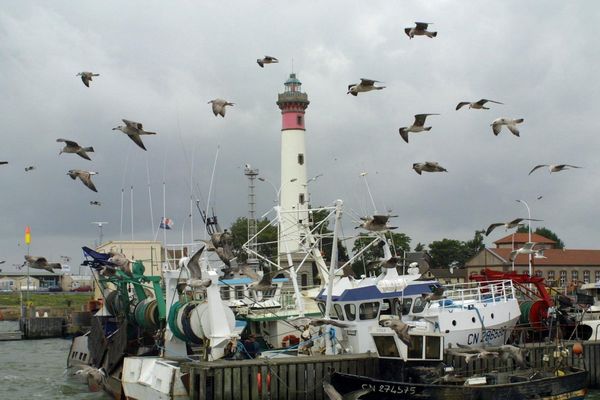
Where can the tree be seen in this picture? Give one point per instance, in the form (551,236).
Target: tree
(327,240)
(267,239)
(545,232)
(400,243)
(448,251)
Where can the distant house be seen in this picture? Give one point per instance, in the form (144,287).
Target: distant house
(39,279)
(559,267)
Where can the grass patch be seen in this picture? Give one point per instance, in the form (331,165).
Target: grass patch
(53,300)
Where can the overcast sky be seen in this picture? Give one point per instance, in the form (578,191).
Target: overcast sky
(160,62)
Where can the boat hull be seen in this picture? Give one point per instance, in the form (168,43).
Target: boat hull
(571,386)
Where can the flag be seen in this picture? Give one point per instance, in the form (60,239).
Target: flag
(27,235)
(166,223)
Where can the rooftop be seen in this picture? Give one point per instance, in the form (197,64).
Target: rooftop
(524,238)
(554,257)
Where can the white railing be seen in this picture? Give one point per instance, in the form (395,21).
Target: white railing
(465,294)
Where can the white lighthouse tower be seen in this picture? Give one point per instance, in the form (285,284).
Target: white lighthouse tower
(293,191)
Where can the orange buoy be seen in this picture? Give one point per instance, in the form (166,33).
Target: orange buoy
(259,382)
(578,349)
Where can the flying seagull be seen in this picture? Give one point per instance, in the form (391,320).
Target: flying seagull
(554,167)
(30,168)
(417,126)
(95,203)
(376,223)
(86,77)
(399,327)
(335,395)
(84,176)
(74,148)
(526,249)
(41,263)
(266,60)
(428,166)
(511,124)
(508,225)
(134,130)
(477,105)
(218,106)
(365,85)
(313,321)
(264,282)
(437,293)
(419,30)
(391,262)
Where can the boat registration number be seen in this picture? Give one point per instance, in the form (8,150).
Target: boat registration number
(396,389)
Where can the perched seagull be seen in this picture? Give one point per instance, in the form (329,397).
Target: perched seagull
(41,263)
(399,327)
(266,60)
(526,249)
(508,225)
(428,166)
(305,321)
(95,203)
(84,176)
(511,124)
(120,261)
(392,262)
(472,353)
(264,282)
(478,105)
(74,148)
(335,395)
(86,77)
(417,126)
(134,130)
(419,30)
(218,106)
(554,167)
(376,223)
(365,85)
(30,168)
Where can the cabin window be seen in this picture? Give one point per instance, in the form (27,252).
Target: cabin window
(386,346)
(84,356)
(368,310)
(321,307)
(304,280)
(563,278)
(301,198)
(239,292)
(225,294)
(415,350)
(337,309)
(386,307)
(406,303)
(419,305)
(432,347)
(350,312)
(301,159)
(586,276)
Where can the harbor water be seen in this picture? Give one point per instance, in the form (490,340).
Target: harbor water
(32,369)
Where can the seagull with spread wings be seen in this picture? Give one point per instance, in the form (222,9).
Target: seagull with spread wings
(477,105)
(528,248)
(41,263)
(365,85)
(74,148)
(508,225)
(84,176)
(218,106)
(376,223)
(134,130)
(420,29)
(510,123)
(417,126)
(554,167)
(86,77)
(428,166)
(264,282)
(266,60)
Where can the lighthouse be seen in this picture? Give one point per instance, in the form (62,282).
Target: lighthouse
(293,198)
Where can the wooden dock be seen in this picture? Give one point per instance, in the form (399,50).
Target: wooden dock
(301,378)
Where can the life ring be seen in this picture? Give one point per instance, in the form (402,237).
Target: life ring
(259,382)
(290,340)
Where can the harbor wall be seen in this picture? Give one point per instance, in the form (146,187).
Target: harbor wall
(37,328)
